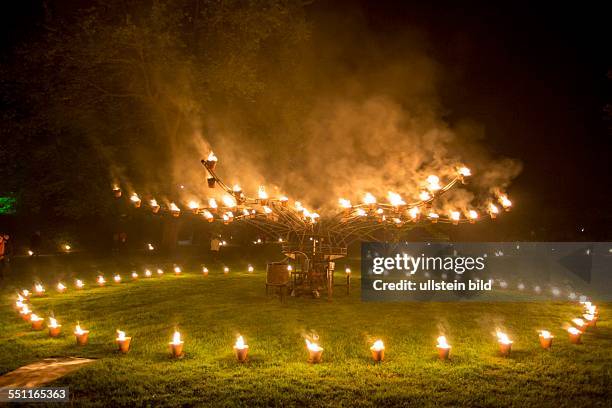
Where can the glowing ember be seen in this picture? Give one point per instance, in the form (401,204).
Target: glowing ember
(153,203)
(25,292)
(205,270)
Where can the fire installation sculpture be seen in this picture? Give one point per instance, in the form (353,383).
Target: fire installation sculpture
(314,242)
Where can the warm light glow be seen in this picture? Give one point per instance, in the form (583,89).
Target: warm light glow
(579,322)
(229,201)
(117,278)
(61,287)
(78,331)
(30,252)
(79,283)
(250,268)
(236,188)
(369,199)
(588,317)
(211,157)
(176,339)
(395,199)
(148,273)
(240,344)
(464,171)
(212,203)
(25,292)
(134,198)
(433,215)
(473,214)
(344,203)
(150,247)
(455,215)
(573,331)
(204,269)
(101,280)
(433,183)
(347,270)
(153,203)
(134,275)
(38,288)
(174,208)
(35,318)
(177,269)
(504,201)
(546,334)
(67,247)
(53,323)
(378,346)
(120,335)
(289,268)
(160,271)
(267,209)
(361,212)
(298,206)
(424,196)
(193,205)
(262,193)
(225,269)
(313,346)
(503,338)
(493,209)
(413,212)
(442,343)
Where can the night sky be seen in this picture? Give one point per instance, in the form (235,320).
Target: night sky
(536,78)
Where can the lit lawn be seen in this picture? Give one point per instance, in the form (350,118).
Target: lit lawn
(211,311)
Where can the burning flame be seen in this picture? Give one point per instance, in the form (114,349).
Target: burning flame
(262,193)
(134,275)
(25,310)
(313,346)
(150,247)
(240,343)
(79,283)
(573,331)
(250,268)
(455,215)
(395,199)
(212,203)
(433,215)
(174,208)
(442,343)
(148,273)
(433,183)
(53,322)
(578,322)
(117,278)
(588,317)
(207,214)
(236,188)
(211,157)
(424,196)
(78,330)
(413,212)
(229,201)
(378,346)
(61,287)
(472,214)
(176,339)
(225,269)
(177,269)
(153,203)
(546,334)
(503,338)
(369,199)
(267,209)
(134,198)
(361,212)
(344,203)
(160,271)
(464,171)
(38,288)
(101,280)
(193,205)
(120,335)
(504,201)
(25,292)
(35,318)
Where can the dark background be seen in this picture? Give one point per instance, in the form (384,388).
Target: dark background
(535,76)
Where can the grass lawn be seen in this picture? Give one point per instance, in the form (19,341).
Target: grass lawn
(211,311)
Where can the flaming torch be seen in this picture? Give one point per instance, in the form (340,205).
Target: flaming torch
(455,215)
(315,352)
(174,210)
(135,200)
(505,344)
(61,288)
(211,161)
(546,339)
(54,327)
(505,202)
(25,313)
(36,321)
(443,348)
(123,342)
(241,349)
(39,289)
(117,191)
(194,206)
(154,206)
(176,345)
(472,216)
(378,351)
(81,335)
(493,210)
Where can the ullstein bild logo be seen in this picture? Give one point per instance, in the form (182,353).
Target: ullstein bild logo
(517,271)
